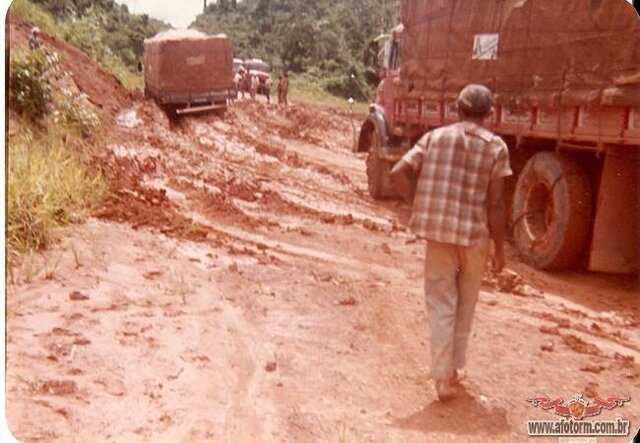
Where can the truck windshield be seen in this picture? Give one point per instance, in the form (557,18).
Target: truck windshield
(394,56)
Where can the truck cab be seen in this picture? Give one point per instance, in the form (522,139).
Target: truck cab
(259,68)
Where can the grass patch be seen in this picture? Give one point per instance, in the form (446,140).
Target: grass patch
(117,68)
(306,90)
(48,185)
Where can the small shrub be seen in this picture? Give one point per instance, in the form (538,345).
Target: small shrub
(75,113)
(30,91)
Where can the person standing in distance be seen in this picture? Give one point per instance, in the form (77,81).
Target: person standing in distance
(458,206)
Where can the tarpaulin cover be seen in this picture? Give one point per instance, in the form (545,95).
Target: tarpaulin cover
(540,52)
(182,62)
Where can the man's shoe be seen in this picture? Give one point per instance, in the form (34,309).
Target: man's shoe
(457,377)
(445,391)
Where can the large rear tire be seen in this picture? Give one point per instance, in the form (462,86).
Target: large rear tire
(375,167)
(378,170)
(551,212)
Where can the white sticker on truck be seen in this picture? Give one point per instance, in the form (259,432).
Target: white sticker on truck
(485,47)
(431,110)
(515,117)
(193,61)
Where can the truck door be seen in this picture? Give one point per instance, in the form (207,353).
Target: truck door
(387,89)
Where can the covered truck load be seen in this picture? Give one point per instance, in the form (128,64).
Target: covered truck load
(529,52)
(186,70)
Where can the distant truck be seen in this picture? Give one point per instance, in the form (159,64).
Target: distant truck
(187,71)
(566,78)
(259,68)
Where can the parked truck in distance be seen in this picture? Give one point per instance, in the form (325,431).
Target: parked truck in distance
(259,68)
(566,79)
(187,71)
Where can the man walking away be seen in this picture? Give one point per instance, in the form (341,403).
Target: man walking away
(458,206)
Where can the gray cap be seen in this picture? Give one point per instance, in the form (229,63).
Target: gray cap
(475,100)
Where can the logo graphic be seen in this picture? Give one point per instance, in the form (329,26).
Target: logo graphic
(577,408)
(571,422)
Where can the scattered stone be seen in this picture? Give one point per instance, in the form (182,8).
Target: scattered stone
(370,225)
(553,330)
(347,219)
(412,239)
(57,387)
(594,369)
(547,347)
(386,249)
(77,296)
(271,366)
(328,218)
(580,346)
(591,390)
(349,301)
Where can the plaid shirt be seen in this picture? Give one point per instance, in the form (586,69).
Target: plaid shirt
(456,164)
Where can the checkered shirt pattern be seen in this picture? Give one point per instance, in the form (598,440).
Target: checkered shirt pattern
(455,164)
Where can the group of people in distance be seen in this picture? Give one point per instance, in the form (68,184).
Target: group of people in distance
(249,82)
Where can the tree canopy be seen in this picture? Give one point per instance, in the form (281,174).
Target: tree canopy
(325,37)
(122,32)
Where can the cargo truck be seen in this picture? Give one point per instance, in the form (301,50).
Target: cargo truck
(187,71)
(566,79)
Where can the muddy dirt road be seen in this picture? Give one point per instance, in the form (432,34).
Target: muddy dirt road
(241,286)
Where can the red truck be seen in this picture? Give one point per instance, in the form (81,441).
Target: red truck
(187,71)
(566,79)
(260,69)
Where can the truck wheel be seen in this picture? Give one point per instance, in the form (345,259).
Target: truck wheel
(172,113)
(378,179)
(551,212)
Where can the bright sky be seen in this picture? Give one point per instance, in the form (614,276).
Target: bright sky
(180,13)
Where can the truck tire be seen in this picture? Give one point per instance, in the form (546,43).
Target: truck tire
(377,169)
(551,212)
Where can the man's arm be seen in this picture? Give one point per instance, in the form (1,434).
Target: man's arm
(404,179)
(497,218)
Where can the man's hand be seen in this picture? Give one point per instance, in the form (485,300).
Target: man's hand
(404,180)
